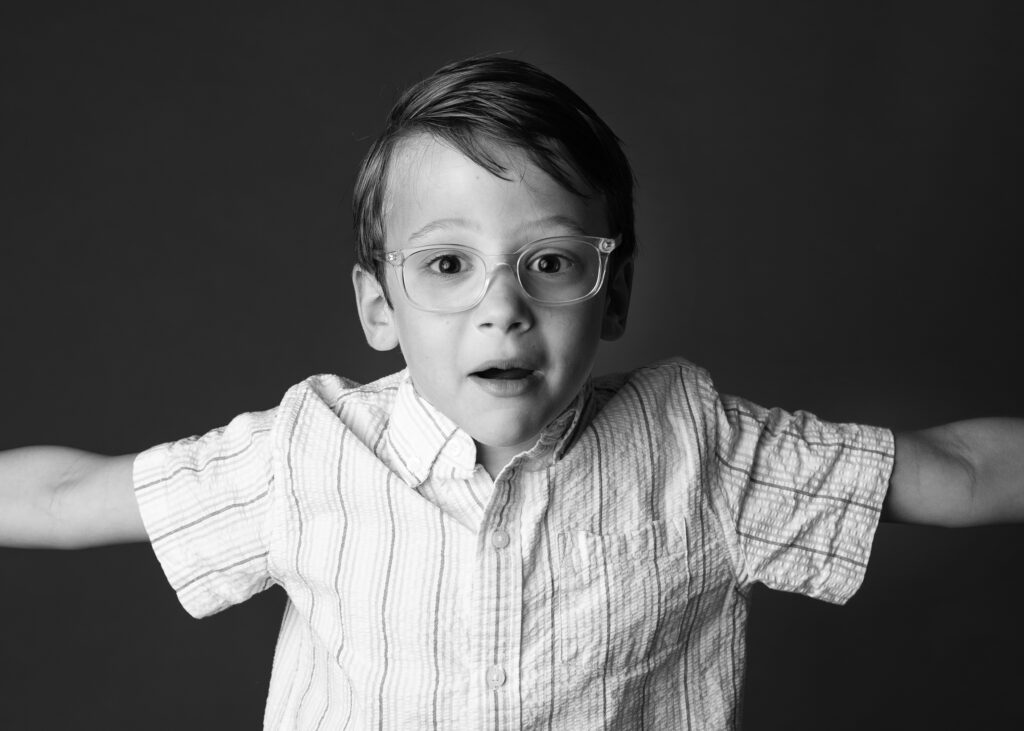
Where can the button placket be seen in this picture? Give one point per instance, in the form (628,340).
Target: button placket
(501,641)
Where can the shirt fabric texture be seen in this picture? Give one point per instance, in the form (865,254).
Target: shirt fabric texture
(600,581)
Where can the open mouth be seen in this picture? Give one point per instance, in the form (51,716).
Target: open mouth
(504,374)
(506,378)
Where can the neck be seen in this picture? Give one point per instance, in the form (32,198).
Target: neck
(494,459)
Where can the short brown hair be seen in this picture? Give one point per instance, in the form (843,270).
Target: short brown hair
(473,104)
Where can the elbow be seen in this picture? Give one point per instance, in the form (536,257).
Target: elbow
(934,482)
(970,505)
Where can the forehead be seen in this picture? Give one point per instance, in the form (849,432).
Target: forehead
(431,184)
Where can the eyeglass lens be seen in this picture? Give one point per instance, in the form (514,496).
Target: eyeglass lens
(553,271)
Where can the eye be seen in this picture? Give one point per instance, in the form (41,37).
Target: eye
(551,262)
(440,263)
(446,264)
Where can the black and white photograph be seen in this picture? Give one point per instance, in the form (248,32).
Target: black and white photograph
(511,366)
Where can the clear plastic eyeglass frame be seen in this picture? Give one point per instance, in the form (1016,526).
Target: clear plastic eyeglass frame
(514,261)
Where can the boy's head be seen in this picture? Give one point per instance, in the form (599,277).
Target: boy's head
(477,164)
(482,104)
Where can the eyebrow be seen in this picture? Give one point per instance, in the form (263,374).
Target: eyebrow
(444,224)
(560,220)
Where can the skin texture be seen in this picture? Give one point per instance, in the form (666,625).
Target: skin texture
(56,497)
(439,196)
(967,473)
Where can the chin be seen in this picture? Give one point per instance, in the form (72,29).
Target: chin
(504,439)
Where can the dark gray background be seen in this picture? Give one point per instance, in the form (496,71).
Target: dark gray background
(828,212)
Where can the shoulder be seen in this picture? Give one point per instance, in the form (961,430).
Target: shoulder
(332,402)
(337,393)
(670,401)
(658,385)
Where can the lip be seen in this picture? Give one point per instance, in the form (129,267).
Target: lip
(506,387)
(505,364)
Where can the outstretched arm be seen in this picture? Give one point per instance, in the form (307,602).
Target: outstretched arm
(55,497)
(960,474)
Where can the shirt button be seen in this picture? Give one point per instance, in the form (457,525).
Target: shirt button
(495,677)
(499,538)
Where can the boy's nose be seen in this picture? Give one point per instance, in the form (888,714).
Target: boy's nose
(504,306)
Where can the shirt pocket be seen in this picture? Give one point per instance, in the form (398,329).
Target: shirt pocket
(622,595)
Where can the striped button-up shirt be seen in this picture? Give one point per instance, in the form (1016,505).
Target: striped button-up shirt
(600,581)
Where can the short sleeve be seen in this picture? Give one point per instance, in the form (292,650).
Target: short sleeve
(800,498)
(205,502)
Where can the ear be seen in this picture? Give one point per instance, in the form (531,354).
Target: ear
(375,314)
(617,301)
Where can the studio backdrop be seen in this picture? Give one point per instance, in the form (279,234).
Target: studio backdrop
(828,211)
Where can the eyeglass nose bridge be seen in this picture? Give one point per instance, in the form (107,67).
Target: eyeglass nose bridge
(491,269)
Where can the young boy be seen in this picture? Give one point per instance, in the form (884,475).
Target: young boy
(491,539)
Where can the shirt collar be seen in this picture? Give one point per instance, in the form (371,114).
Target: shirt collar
(423,440)
(561,433)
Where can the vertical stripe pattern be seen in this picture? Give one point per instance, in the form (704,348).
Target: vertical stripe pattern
(599,581)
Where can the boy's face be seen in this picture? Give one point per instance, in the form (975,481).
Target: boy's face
(545,352)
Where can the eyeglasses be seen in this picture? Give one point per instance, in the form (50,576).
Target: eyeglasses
(451,278)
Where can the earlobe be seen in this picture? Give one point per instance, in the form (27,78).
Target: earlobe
(617,301)
(375,314)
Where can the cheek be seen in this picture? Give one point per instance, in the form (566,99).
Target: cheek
(576,336)
(427,343)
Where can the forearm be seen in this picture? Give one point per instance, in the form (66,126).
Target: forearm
(960,474)
(56,497)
